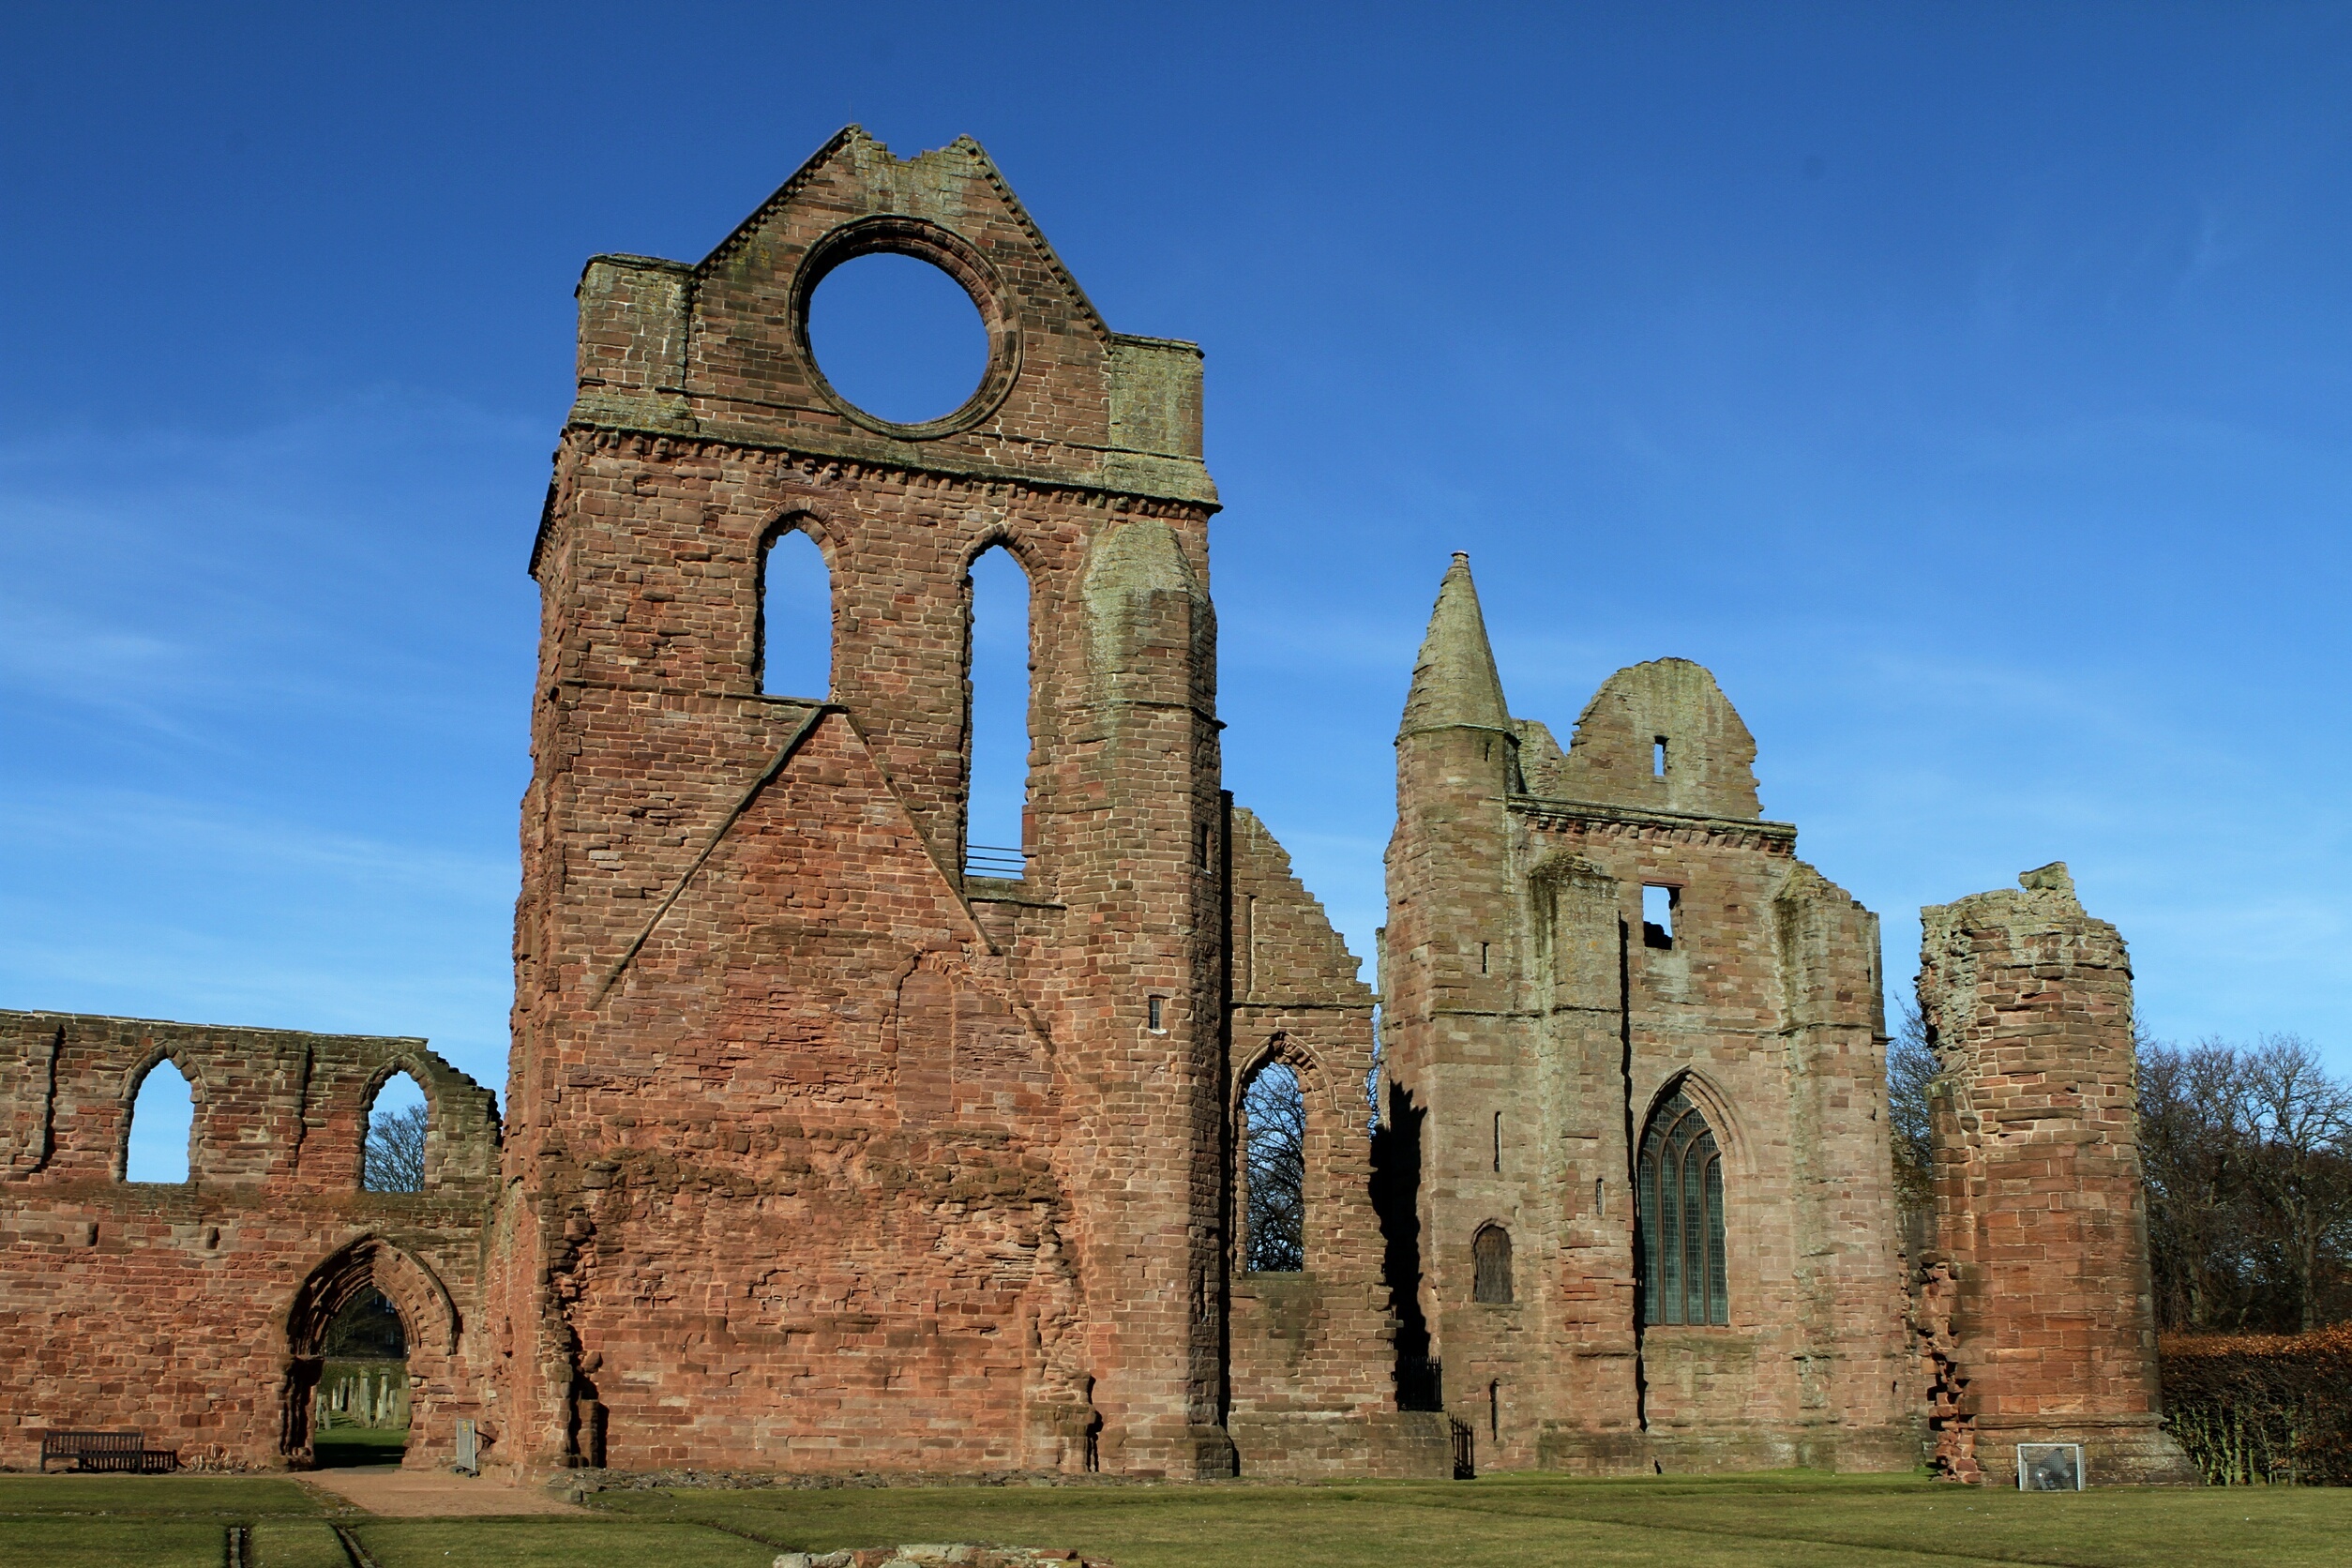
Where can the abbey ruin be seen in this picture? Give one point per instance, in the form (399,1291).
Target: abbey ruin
(827,1148)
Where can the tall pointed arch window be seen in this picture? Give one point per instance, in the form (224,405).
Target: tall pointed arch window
(1684,1279)
(795,618)
(996,799)
(400,1126)
(159,1144)
(1273,1174)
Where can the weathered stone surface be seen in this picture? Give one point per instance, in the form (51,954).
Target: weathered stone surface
(2035,1319)
(829,1163)
(1534,1028)
(1311,1387)
(826,1152)
(194,1310)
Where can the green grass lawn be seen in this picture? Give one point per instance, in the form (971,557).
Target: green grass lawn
(233,1499)
(1808,1521)
(296,1544)
(1791,1520)
(608,1542)
(158,1521)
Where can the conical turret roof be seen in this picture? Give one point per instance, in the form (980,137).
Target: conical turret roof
(1454,683)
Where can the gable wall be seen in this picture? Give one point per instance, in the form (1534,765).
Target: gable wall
(829,1155)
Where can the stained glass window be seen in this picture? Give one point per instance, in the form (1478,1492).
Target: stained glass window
(1681,1213)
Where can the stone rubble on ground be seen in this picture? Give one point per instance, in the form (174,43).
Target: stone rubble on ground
(963,1553)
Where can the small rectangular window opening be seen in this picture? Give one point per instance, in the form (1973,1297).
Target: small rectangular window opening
(1482,958)
(1498,1143)
(1493,1410)
(1657,756)
(1658,905)
(1154,1011)
(1201,846)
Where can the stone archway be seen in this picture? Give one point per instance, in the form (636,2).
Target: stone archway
(428,1321)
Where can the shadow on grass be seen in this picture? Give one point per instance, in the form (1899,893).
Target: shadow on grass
(346,1446)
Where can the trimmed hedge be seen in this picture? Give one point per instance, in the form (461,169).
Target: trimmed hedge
(2260,1407)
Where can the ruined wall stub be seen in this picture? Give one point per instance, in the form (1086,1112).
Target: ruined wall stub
(193,1310)
(1312,1391)
(1535,1030)
(2037,1318)
(826,1154)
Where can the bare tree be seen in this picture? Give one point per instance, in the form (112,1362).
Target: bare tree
(2301,1121)
(395,1151)
(1273,1128)
(2193,1153)
(1910,1079)
(2247,1152)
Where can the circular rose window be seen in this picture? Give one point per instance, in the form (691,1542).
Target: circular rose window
(903,327)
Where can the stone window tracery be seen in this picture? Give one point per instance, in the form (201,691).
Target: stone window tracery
(1680,1205)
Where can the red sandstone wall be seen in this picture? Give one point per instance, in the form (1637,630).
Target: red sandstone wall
(191,1310)
(828,1156)
(1518,986)
(1313,1391)
(2038,1321)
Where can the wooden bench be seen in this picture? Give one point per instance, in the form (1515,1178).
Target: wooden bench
(118,1451)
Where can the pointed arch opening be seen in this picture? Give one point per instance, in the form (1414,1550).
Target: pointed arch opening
(399,1128)
(359,1413)
(159,1144)
(369,1335)
(795,637)
(996,795)
(1679,1205)
(1273,1171)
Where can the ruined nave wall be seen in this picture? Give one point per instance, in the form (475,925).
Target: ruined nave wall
(192,1311)
(1311,1364)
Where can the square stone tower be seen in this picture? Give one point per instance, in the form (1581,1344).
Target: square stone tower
(1641,1046)
(824,1151)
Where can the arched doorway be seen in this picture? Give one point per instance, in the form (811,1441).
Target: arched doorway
(363,1336)
(359,1413)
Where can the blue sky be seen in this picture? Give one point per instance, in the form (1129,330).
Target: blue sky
(1967,385)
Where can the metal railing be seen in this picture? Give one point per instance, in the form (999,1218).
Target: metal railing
(995,860)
